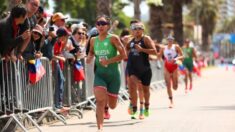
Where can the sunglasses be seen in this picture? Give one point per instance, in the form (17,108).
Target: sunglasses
(36,33)
(80,33)
(137,28)
(102,23)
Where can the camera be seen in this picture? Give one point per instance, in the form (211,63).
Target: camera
(51,28)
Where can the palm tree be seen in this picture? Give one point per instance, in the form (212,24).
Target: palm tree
(156,11)
(228,26)
(104,7)
(178,19)
(137,9)
(206,12)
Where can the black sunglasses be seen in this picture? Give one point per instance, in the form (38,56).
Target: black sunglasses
(80,33)
(36,33)
(102,23)
(137,28)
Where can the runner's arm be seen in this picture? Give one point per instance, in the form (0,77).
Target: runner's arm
(150,46)
(194,54)
(180,53)
(119,46)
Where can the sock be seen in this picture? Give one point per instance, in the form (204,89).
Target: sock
(134,108)
(146,105)
(106,109)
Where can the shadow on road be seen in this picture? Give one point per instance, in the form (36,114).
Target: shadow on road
(75,124)
(230,107)
(119,123)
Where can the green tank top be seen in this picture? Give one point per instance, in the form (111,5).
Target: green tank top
(188,54)
(104,50)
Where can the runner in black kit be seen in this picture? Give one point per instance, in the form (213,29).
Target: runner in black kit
(138,66)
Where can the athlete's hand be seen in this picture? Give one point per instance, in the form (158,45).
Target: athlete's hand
(104,62)
(138,48)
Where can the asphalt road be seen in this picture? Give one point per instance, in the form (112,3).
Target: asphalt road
(209,107)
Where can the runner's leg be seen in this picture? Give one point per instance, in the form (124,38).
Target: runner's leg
(101,99)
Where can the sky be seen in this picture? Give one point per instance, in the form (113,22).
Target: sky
(129,10)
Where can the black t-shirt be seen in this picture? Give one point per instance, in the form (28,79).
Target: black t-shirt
(138,61)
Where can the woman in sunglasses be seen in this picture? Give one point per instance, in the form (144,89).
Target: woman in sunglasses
(107,81)
(33,49)
(138,67)
(172,56)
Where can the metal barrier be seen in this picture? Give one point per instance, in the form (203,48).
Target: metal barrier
(73,94)
(157,74)
(19,99)
(10,106)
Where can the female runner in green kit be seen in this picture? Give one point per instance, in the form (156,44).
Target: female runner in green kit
(107,80)
(189,54)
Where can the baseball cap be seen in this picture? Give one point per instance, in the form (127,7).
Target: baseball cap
(62,32)
(38,29)
(58,16)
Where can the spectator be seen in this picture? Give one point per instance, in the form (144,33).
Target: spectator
(77,42)
(33,49)
(29,24)
(62,35)
(58,20)
(92,33)
(9,31)
(40,15)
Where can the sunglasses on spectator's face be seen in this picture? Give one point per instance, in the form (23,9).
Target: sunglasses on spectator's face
(101,23)
(80,33)
(36,33)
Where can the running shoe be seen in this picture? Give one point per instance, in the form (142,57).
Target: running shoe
(141,115)
(107,115)
(134,115)
(186,91)
(171,105)
(100,130)
(146,113)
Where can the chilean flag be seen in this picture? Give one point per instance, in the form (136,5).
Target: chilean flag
(36,71)
(79,74)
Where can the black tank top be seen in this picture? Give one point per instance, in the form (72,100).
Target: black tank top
(138,61)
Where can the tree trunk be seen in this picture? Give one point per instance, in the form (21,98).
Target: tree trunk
(156,22)
(205,36)
(178,21)
(104,7)
(137,9)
